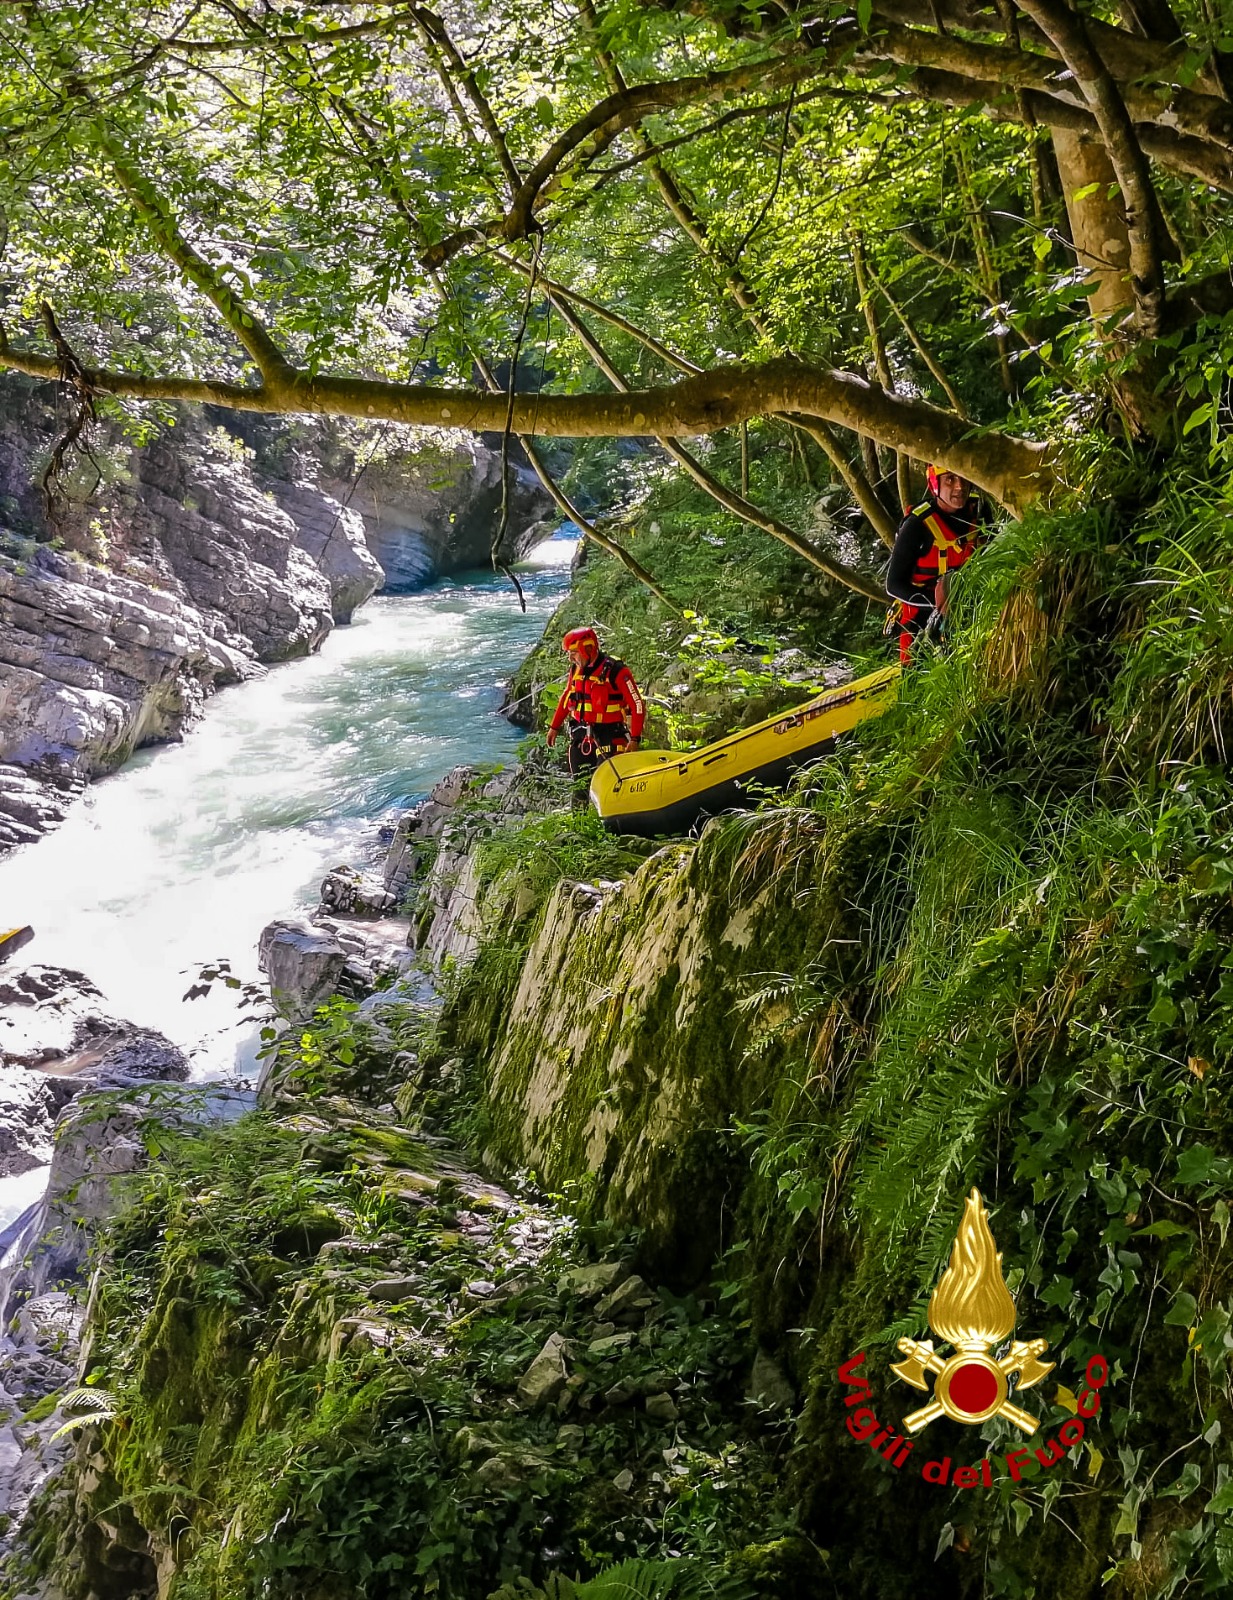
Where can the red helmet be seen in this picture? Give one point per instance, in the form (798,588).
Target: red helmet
(584,639)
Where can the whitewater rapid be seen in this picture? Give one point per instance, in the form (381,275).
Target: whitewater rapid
(185,855)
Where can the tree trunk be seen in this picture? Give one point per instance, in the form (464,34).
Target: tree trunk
(1097,222)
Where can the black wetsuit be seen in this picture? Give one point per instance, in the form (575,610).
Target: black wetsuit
(920,557)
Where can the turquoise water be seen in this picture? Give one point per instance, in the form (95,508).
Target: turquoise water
(186,854)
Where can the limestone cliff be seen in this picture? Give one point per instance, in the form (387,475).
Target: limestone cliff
(164,569)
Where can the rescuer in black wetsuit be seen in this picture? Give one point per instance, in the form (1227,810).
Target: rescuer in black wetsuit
(934,538)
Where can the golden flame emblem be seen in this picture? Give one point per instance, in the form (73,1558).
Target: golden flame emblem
(972,1310)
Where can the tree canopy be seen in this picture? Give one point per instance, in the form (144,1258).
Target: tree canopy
(942,230)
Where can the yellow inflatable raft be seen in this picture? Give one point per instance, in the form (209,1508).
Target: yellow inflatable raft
(665,791)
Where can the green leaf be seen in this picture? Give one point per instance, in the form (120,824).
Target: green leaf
(1195,1165)
(1164,1011)
(1198,417)
(1191,1478)
(1183,1311)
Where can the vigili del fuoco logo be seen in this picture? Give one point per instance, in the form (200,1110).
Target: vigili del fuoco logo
(971,1310)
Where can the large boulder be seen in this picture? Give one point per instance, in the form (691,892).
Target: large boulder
(303,963)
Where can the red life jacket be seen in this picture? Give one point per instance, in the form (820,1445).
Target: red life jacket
(603,695)
(951,547)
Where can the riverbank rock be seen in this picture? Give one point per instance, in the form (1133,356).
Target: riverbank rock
(308,961)
(435,842)
(53,1019)
(304,965)
(416,830)
(32,802)
(350,892)
(56,1040)
(99,1139)
(37,1363)
(28,1109)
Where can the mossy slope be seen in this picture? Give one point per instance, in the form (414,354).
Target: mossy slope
(988,945)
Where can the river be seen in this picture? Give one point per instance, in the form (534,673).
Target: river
(186,854)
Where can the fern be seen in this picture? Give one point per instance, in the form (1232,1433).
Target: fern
(104,1407)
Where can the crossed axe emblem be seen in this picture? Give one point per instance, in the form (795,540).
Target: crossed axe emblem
(971,1386)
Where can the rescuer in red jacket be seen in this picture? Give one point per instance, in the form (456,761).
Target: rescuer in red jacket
(601,702)
(934,538)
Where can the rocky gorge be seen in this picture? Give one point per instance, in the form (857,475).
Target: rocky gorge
(166,568)
(583,1167)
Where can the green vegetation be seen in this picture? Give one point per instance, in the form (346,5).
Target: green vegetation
(307,1343)
(988,945)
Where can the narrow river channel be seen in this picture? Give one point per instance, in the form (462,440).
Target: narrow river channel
(186,854)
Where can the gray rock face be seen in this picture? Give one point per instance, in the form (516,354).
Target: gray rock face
(333,535)
(232,550)
(417,828)
(437,509)
(56,1040)
(304,965)
(93,664)
(439,830)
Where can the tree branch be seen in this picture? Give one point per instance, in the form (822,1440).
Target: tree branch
(602,124)
(1014,470)
(435,32)
(922,350)
(738,504)
(1066,31)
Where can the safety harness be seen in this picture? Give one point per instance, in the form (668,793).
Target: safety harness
(594,698)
